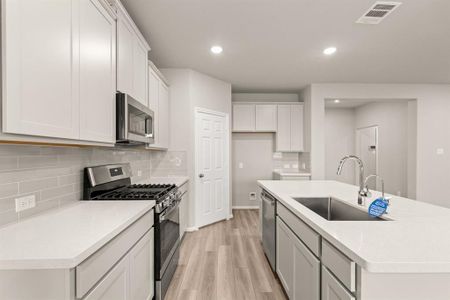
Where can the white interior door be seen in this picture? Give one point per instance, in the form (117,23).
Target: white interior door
(212,161)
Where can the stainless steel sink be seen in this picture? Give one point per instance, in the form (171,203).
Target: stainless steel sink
(334,210)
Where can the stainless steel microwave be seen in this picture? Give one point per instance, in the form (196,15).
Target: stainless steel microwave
(135,121)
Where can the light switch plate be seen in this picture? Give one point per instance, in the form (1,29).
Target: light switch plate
(440,151)
(241,165)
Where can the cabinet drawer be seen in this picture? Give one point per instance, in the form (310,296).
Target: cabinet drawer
(308,236)
(332,288)
(97,265)
(340,265)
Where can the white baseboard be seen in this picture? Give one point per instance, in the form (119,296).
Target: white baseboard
(191,229)
(246,207)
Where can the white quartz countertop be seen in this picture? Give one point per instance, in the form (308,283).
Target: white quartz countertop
(63,238)
(415,241)
(177,180)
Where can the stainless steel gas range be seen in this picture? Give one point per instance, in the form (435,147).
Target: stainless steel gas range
(113,182)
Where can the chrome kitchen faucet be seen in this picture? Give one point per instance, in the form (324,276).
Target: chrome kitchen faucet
(362,193)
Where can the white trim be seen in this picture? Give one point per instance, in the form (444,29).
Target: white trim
(191,229)
(230,217)
(121,9)
(226,116)
(245,207)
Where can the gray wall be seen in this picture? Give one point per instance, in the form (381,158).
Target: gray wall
(433,127)
(392,122)
(190,89)
(256,153)
(339,141)
(54,174)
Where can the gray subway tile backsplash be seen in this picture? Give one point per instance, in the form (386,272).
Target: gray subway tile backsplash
(54,174)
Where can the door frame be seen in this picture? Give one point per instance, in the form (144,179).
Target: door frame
(357,139)
(199,110)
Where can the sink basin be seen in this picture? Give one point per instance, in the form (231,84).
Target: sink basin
(334,210)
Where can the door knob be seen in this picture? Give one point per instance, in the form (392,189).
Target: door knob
(201,175)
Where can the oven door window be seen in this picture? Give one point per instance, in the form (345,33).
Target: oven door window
(170,232)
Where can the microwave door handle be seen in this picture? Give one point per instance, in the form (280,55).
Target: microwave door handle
(149,134)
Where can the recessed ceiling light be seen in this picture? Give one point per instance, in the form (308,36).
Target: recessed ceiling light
(216,49)
(337,101)
(329,50)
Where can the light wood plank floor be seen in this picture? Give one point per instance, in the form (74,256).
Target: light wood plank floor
(225,261)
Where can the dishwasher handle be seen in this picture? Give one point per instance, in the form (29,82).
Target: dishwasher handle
(266,197)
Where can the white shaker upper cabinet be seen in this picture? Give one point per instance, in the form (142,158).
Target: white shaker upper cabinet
(163,115)
(290,128)
(125,41)
(40,91)
(132,58)
(266,118)
(140,63)
(243,117)
(97,72)
(284,128)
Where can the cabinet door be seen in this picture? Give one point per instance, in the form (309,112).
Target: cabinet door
(125,41)
(115,285)
(140,70)
(97,72)
(266,117)
(141,259)
(243,117)
(163,119)
(184,214)
(40,91)
(332,289)
(153,90)
(297,128)
(284,128)
(306,272)
(285,257)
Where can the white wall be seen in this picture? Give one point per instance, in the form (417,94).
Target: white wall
(392,122)
(190,89)
(433,127)
(339,142)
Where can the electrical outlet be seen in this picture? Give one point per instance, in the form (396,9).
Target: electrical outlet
(139,173)
(252,196)
(25,203)
(440,151)
(241,165)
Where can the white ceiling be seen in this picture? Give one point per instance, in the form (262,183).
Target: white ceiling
(276,45)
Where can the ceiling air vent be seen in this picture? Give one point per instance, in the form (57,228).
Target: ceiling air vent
(378,11)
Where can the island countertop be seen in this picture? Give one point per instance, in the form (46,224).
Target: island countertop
(414,241)
(63,238)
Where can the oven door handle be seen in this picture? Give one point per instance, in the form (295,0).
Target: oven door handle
(162,217)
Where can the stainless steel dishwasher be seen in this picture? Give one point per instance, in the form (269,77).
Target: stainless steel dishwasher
(269,227)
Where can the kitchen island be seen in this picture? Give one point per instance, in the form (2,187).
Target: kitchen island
(405,257)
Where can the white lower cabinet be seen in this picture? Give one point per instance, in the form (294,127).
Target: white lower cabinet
(123,269)
(297,267)
(332,289)
(132,278)
(142,275)
(115,285)
(184,213)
